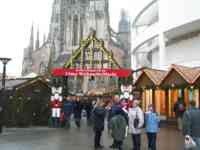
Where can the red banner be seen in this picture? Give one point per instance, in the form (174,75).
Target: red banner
(92,72)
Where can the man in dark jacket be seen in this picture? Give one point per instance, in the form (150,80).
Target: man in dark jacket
(99,114)
(191,124)
(88,108)
(68,110)
(77,111)
(179,109)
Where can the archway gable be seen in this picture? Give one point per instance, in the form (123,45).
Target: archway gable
(144,81)
(174,78)
(88,48)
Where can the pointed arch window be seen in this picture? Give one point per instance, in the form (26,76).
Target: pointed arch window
(42,68)
(81,27)
(73,1)
(75,30)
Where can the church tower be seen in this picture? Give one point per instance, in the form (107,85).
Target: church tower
(74,19)
(27,61)
(37,42)
(124,31)
(124,36)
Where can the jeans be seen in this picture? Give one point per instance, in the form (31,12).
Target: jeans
(67,122)
(151,141)
(119,145)
(197,141)
(78,122)
(179,123)
(136,138)
(97,138)
(55,122)
(1,128)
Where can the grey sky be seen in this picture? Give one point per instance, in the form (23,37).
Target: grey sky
(18,16)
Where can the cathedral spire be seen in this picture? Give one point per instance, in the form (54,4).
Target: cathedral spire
(124,22)
(31,42)
(37,44)
(51,58)
(44,38)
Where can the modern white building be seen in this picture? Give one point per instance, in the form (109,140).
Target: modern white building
(166,32)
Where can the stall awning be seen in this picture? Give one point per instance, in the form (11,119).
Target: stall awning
(150,78)
(180,75)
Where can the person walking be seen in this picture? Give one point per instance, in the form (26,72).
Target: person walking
(99,114)
(179,108)
(77,111)
(136,121)
(152,127)
(88,108)
(68,110)
(118,126)
(191,125)
(115,106)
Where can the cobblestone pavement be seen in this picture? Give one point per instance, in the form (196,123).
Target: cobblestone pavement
(44,138)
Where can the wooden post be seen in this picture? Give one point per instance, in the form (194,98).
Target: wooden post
(199,97)
(102,55)
(153,99)
(166,102)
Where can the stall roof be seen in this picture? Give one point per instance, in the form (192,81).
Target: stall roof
(176,76)
(187,73)
(11,83)
(21,82)
(150,77)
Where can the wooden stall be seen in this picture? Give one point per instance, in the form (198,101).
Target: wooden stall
(196,95)
(163,88)
(148,83)
(27,102)
(178,83)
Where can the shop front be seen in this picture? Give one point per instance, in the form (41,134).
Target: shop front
(163,89)
(178,84)
(148,83)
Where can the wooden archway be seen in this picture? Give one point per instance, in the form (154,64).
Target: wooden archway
(91,58)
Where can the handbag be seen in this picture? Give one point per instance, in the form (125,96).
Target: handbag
(136,121)
(189,143)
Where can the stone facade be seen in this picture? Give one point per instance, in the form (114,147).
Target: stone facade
(71,21)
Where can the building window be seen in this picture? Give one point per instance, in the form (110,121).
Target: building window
(42,68)
(75,30)
(81,28)
(73,1)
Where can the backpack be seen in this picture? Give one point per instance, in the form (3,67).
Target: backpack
(181,107)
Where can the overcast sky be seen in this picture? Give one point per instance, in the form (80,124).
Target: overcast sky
(18,16)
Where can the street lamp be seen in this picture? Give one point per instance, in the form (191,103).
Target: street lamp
(4,61)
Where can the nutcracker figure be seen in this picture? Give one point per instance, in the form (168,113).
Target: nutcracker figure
(126,96)
(56,105)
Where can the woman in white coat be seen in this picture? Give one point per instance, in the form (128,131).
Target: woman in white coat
(136,121)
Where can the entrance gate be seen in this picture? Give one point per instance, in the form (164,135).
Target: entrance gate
(88,64)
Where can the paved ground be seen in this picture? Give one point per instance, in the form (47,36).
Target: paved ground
(43,138)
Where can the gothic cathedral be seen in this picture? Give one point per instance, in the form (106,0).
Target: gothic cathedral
(71,21)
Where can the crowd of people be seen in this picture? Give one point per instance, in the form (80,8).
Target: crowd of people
(126,117)
(123,117)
